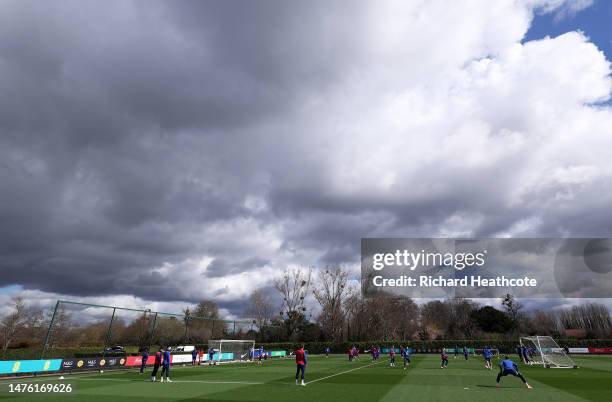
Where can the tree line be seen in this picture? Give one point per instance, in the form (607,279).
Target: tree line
(341,314)
(345,315)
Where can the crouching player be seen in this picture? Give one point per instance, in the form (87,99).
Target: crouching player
(508,367)
(444,358)
(300,362)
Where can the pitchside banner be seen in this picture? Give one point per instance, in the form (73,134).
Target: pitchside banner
(89,363)
(29,366)
(487,268)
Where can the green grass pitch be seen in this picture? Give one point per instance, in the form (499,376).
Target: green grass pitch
(335,379)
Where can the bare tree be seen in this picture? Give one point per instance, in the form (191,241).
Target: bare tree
(12,323)
(204,321)
(61,331)
(461,325)
(260,308)
(513,309)
(544,323)
(436,317)
(330,292)
(391,318)
(593,318)
(294,286)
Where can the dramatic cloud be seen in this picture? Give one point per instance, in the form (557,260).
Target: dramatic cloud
(174,151)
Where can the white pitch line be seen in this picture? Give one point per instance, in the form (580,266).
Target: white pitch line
(342,372)
(173,381)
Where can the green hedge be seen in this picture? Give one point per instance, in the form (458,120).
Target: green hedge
(431,346)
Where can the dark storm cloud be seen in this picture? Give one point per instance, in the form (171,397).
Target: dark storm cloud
(121,132)
(137,138)
(220,267)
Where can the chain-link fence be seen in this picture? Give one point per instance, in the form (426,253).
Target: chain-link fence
(81,329)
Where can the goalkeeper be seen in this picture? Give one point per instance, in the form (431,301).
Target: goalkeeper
(508,367)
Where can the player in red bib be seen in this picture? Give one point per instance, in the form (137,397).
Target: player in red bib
(444,358)
(156,364)
(300,361)
(392,356)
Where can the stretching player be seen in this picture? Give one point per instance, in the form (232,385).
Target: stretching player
(300,362)
(508,367)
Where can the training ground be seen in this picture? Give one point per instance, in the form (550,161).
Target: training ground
(335,379)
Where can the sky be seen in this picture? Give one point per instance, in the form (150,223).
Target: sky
(592,17)
(156,153)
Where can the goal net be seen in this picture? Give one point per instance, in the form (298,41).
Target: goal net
(230,350)
(545,351)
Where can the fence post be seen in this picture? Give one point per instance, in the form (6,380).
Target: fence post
(109,332)
(152,330)
(48,336)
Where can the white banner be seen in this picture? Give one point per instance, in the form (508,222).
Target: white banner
(578,350)
(181,359)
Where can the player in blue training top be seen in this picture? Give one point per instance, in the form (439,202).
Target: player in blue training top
(508,367)
(194,356)
(487,354)
(406,356)
(261,355)
(327,350)
(525,354)
(166,366)
(144,357)
(465,352)
(211,356)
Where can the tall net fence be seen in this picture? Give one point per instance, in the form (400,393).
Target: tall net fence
(80,329)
